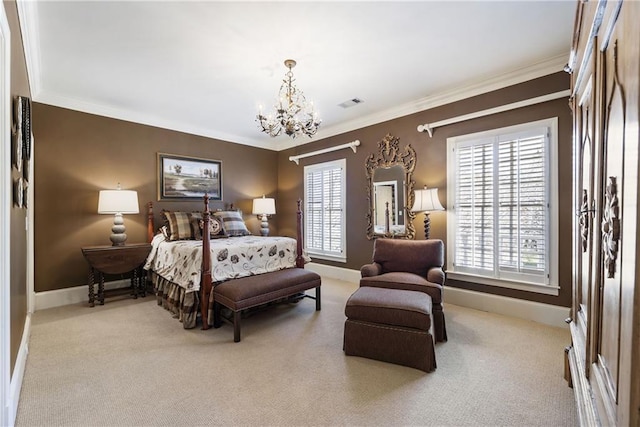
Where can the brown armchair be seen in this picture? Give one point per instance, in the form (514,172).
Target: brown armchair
(413,265)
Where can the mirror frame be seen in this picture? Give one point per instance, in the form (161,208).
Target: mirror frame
(389,155)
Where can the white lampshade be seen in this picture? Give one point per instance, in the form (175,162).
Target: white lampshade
(264,205)
(427,200)
(118,201)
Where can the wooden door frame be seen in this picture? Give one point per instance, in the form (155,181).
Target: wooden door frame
(5,217)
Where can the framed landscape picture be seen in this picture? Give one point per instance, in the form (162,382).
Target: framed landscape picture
(182,178)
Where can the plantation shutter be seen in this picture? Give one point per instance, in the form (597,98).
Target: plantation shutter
(324,209)
(314,210)
(474,207)
(523,189)
(501,206)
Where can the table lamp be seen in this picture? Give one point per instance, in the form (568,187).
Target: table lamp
(426,200)
(263,207)
(118,202)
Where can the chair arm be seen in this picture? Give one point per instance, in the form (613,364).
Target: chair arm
(435,275)
(373,269)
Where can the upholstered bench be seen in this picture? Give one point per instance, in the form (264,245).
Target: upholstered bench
(391,325)
(252,291)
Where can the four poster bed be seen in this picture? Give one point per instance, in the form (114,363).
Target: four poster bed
(184,277)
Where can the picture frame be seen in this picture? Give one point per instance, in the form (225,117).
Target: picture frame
(18,192)
(17,151)
(188,178)
(22,136)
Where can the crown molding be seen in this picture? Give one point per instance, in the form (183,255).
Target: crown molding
(28,18)
(492,83)
(480,86)
(281,143)
(56,100)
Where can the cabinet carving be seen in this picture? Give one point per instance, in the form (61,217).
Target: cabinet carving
(584,219)
(611,227)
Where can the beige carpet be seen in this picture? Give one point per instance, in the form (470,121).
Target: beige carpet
(129,363)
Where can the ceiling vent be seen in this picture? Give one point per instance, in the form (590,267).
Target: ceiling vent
(351,103)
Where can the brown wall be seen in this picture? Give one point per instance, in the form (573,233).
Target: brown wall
(80,154)
(18,256)
(431,171)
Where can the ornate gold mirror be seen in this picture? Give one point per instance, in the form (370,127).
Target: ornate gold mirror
(390,190)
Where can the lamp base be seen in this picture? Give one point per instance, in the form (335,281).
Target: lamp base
(118,235)
(427,225)
(264,226)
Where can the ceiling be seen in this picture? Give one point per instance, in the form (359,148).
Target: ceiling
(205,67)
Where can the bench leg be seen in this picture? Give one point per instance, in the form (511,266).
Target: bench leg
(318,305)
(217,321)
(236,326)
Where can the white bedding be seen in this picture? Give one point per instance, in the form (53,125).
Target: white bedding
(181,261)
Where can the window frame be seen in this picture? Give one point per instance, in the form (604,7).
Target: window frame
(517,281)
(327,254)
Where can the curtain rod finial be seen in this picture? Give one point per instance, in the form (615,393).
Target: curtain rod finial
(425,128)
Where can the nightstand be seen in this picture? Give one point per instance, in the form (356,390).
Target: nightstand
(127,259)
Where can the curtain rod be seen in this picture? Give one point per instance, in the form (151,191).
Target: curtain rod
(429,127)
(352,145)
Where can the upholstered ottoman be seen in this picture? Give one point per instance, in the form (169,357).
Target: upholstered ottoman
(391,325)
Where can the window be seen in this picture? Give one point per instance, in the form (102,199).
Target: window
(324,213)
(504,223)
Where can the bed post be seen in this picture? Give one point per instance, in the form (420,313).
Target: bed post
(205,277)
(299,257)
(149,222)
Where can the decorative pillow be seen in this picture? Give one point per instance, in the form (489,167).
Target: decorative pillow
(216,228)
(180,227)
(233,223)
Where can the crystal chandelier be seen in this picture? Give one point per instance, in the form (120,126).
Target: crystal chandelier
(293,114)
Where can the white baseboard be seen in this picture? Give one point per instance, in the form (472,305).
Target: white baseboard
(552,315)
(75,295)
(346,274)
(538,312)
(18,372)
(547,314)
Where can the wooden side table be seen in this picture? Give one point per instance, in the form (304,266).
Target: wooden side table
(116,260)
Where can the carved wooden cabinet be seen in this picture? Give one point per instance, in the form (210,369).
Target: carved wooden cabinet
(604,355)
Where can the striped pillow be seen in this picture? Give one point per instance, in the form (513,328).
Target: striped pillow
(180,227)
(233,223)
(196,217)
